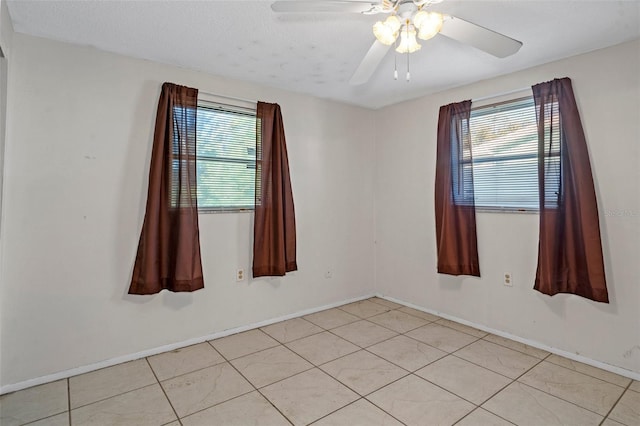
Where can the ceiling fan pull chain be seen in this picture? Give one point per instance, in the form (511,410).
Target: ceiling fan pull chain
(408,71)
(395,63)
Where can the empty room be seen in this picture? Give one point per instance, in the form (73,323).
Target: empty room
(296,212)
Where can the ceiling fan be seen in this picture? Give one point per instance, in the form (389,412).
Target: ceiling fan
(406,20)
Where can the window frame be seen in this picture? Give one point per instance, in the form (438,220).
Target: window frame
(463,199)
(243,108)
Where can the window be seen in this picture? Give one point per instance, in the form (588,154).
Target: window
(504,140)
(225,157)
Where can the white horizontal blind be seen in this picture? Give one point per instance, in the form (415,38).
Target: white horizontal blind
(552,147)
(461,160)
(504,139)
(226,157)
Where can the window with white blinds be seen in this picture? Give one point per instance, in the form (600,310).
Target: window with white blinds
(225,157)
(504,141)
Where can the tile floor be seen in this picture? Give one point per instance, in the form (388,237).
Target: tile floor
(367,363)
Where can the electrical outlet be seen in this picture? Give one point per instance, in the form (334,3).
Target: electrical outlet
(240,275)
(508,279)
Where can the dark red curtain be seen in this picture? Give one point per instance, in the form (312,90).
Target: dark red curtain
(169,249)
(455,208)
(274,234)
(570,249)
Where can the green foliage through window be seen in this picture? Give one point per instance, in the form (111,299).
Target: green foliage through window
(226,157)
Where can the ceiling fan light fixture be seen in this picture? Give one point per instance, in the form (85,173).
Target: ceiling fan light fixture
(408,42)
(383,34)
(393,22)
(428,23)
(386,32)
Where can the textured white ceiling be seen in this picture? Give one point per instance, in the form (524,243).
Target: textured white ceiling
(317,53)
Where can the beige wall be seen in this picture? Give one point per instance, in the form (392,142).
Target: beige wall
(607,87)
(6,36)
(76,174)
(77,158)
(6,28)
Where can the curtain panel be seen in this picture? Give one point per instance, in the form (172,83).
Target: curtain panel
(274,239)
(168,254)
(456,236)
(570,250)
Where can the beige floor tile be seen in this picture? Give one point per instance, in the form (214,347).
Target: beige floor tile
(635,386)
(480,417)
(398,321)
(463,328)
(385,302)
(360,413)
(517,346)
(598,373)
(270,365)
(308,396)
(609,422)
(331,318)
(527,406)
(242,344)
(141,407)
(627,410)
(364,308)
(407,353)
(201,389)
(473,383)
(585,391)
(443,338)
(364,333)
(33,403)
(97,385)
(293,329)
(363,372)
(497,358)
(59,420)
(420,314)
(415,401)
(322,347)
(251,409)
(184,360)
(176,423)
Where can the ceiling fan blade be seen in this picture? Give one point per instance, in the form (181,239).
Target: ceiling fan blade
(324,6)
(369,63)
(479,37)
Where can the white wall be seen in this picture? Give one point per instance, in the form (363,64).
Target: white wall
(77,159)
(607,87)
(6,28)
(6,37)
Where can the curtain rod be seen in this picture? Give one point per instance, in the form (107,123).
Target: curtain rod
(510,92)
(233,98)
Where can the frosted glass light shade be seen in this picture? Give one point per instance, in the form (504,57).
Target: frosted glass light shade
(386,32)
(393,22)
(428,23)
(408,42)
(383,34)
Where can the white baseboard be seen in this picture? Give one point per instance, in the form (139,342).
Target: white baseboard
(154,351)
(572,356)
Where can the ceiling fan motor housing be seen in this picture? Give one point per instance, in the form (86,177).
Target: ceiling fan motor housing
(406,9)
